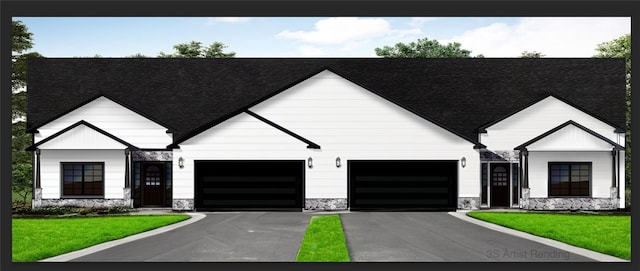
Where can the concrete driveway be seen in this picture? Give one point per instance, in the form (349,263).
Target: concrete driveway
(435,237)
(219,237)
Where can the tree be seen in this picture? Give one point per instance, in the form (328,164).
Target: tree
(621,48)
(194,49)
(21,42)
(424,48)
(533,54)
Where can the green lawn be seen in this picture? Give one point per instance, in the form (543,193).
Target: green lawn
(324,241)
(608,234)
(39,238)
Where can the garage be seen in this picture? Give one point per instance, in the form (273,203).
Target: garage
(402,185)
(249,185)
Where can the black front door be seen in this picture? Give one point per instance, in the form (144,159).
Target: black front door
(153,184)
(499,185)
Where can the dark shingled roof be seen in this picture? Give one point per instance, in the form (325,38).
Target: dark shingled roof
(189,95)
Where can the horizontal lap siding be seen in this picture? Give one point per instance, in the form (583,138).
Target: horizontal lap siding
(114,119)
(538,119)
(114,167)
(600,171)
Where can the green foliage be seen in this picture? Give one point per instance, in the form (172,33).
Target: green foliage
(138,55)
(21,170)
(621,48)
(609,234)
(324,241)
(39,238)
(532,54)
(424,48)
(194,49)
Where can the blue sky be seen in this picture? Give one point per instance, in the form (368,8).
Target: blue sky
(320,37)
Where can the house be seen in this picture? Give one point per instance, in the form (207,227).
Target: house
(328,134)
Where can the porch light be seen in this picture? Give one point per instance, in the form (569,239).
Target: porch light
(463,162)
(181,162)
(338,162)
(310,162)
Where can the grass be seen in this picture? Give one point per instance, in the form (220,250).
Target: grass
(39,238)
(324,241)
(608,234)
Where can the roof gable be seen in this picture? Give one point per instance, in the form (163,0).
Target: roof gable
(571,136)
(34,129)
(483,128)
(92,135)
(311,144)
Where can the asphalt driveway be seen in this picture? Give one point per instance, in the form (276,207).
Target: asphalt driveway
(436,237)
(371,237)
(219,237)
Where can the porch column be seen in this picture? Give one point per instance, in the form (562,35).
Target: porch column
(525,180)
(614,152)
(38,169)
(127,182)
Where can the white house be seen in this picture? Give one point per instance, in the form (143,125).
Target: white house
(328,134)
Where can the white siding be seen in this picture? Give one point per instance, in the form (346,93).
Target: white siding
(538,119)
(346,120)
(116,120)
(570,138)
(82,137)
(600,171)
(114,165)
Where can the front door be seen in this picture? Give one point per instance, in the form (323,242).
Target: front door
(499,185)
(152,184)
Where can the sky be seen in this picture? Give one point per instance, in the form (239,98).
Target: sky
(320,36)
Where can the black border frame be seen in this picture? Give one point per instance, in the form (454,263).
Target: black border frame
(10,8)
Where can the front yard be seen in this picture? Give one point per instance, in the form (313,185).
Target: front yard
(608,234)
(39,238)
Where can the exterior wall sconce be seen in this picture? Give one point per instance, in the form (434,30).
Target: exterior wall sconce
(338,162)
(463,162)
(181,162)
(310,162)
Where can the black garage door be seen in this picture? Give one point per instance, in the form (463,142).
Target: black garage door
(399,185)
(249,185)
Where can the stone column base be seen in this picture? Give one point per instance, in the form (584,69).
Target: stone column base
(468,203)
(183,204)
(126,195)
(37,198)
(326,204)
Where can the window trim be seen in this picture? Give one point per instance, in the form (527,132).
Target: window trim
(590,164)
(63,196)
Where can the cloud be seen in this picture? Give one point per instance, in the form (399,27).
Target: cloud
(420,21)
(350,33)
(340,30)
(234,20)
(344,30)
(553,37)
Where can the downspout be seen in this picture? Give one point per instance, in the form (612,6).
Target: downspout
(613,168)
